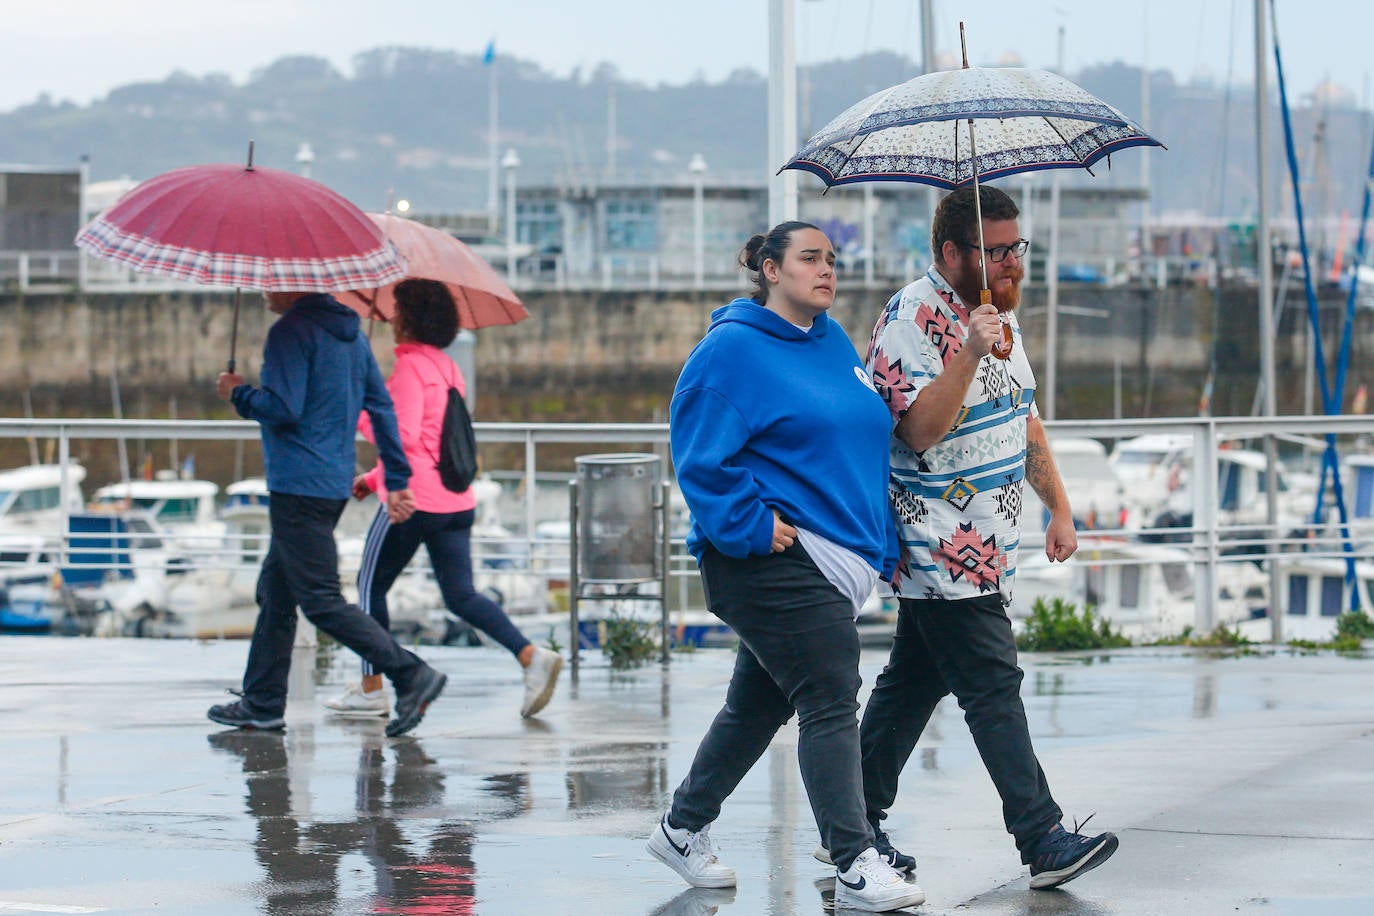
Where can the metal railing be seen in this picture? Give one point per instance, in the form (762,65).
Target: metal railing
(540,492)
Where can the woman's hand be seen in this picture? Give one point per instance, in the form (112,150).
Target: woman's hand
(784,535)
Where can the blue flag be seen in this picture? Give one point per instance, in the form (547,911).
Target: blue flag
(489,54)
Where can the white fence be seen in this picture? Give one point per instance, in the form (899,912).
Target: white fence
(537,494)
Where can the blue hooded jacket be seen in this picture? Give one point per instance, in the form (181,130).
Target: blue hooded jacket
(768,416)
(318,374)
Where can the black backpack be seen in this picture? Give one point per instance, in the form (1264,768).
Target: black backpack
(457,462)
(457,459)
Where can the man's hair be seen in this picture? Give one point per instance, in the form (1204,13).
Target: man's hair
(956,219)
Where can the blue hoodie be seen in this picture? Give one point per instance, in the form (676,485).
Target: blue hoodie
(318,374)
(767,416)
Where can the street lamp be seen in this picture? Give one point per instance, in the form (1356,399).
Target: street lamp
(510,162)
(305,156)
(698,169)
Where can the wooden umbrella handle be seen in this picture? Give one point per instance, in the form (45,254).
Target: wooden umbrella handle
(1002,349)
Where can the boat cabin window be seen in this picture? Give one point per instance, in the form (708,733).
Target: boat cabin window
(1130,586)
(1297,596)
(178,510)
(1228,487)
(1178,579)
(17,502)
(1095,586)
(1333,587)
(144,535)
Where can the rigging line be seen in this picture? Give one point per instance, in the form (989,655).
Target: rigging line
(1220,181)
(1331,404)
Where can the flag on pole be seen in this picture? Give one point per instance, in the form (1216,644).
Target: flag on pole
(489,55)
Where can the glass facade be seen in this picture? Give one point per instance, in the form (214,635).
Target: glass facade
(631,224)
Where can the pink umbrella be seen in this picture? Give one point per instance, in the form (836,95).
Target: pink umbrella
(483,298)
(245,227)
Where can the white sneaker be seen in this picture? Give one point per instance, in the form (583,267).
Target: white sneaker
(355,703)
(541,677)
(872,884)
(690,855)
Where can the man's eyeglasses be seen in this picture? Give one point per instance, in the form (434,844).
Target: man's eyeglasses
(999,254)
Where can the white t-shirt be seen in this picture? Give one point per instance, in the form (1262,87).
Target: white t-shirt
(846,570)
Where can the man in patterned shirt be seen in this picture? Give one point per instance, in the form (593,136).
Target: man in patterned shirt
(967,433)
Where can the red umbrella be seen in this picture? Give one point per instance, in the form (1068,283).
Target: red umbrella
(256,228)
(245,227)
(483,298)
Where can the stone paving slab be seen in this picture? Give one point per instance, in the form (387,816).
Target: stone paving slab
(1239,784)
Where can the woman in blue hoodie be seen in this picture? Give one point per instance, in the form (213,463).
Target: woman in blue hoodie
(780,445)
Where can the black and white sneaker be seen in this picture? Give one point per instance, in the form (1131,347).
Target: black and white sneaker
(690,855)
(871,884)
(886,851)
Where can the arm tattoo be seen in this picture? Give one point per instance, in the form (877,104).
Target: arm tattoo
(1041,473)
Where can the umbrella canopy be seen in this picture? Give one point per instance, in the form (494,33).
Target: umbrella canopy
(482,297)
(917,131)
(256,228)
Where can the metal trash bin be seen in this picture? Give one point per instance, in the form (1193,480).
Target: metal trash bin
(619,545)
(618,518)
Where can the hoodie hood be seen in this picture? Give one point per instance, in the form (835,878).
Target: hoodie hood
(746,311)
(332,316)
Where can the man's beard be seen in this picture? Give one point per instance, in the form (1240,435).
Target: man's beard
(1006,296)
(1006,290)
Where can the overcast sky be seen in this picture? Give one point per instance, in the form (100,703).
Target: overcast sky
(80,49)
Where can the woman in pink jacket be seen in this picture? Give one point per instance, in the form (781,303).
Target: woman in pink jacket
(425,322)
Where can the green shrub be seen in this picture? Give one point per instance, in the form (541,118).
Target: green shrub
(1222,637)
(1354,625)
(627,641)
(1057,626)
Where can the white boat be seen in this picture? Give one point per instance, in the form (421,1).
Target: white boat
(32,498)
(1316,593)
(116,573)
(185,508)
(218,600)
(1145,591)
(1098,497)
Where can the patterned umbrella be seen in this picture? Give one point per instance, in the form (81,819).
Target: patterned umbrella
(924,131)
(482,297)
(245,227)
(1023,120)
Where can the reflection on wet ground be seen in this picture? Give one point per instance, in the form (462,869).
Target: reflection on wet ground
(1237,784)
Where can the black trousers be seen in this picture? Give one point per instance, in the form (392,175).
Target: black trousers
(799,651)
(965,648)
(302,569)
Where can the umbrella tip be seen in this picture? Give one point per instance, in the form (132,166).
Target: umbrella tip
(250,154)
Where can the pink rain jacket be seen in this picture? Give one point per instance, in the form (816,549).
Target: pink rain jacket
(419,386)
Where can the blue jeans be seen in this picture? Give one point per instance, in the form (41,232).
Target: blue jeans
(302,569)
(965,648)
(799,651)
(448,540)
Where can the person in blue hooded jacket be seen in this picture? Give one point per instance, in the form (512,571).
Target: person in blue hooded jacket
(779,443)
(318,374)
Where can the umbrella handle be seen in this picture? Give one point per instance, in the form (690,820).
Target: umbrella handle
(1002,348)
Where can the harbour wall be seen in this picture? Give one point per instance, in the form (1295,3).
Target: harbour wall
(601,356)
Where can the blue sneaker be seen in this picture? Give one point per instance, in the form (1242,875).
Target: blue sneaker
(1064,855)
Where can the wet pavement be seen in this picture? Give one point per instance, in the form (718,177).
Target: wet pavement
(1237,784)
